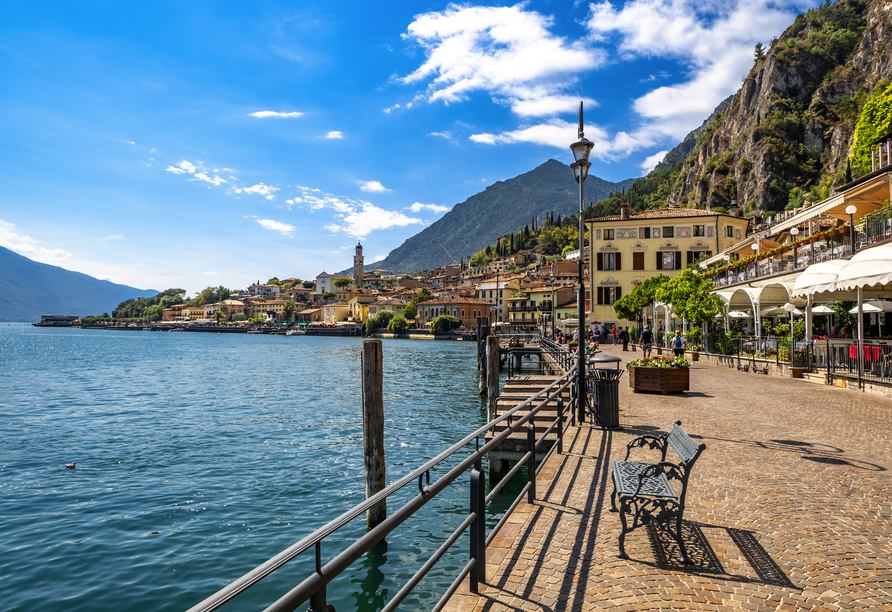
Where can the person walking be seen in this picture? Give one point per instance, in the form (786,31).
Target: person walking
(624,338)
(613,332)
(646,341)
(678,344)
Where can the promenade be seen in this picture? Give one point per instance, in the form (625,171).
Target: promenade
(789,507)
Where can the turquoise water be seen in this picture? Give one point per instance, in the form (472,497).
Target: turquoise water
(200,456)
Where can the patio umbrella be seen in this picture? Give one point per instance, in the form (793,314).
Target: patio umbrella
(777,312)
(823,309)
(818,278)
(736,314)
(874,306)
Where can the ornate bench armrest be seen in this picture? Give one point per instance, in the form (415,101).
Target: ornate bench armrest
(671,470)
(651,442)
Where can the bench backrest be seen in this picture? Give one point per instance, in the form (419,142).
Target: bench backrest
(686,449)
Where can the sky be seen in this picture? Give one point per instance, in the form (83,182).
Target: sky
(172,144)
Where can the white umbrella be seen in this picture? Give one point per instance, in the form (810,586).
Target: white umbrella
(776,312)
(818,278)
(736,314)
(874,306)
(867,268)
(823,309)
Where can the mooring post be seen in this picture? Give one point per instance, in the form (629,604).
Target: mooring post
(373,426)
(492,375)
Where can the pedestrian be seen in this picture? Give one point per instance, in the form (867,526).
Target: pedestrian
(678,344)
(614,334)
(624,338)
(597,337)
(646,341)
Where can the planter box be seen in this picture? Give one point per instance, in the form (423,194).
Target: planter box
(659,380)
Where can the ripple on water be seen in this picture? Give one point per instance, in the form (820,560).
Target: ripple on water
(200,456)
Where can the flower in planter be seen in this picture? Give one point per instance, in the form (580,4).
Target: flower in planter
(660,362)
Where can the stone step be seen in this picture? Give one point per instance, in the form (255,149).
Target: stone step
(815,377)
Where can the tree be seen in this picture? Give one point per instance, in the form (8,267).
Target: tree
(629,306)
(328,295)
(759,52)
(691,296)
(410,311)
(343,283)
(288,310)
(398,324)
(422,296)
(221,293)
(444,323)
(274,281)
(224,311)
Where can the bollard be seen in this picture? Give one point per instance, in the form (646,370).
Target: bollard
(373,427)
(492,376)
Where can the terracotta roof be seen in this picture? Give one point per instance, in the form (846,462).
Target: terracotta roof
(456,300)
(662,213)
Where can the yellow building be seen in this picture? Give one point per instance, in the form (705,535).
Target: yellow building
(533,305)
(631,247)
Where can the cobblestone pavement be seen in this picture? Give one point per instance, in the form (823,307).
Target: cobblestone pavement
(789,507)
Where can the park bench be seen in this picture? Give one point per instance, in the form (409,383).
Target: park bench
(645,491)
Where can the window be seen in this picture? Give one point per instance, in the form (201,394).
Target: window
(669,260)
(608,295)
(637,261)
(699,230)
(669,231)
(609,261)
(645,233)
(608,234)
(729,231)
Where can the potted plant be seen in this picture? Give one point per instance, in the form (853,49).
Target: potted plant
(660,375)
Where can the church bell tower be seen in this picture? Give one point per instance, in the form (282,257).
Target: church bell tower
(358,271)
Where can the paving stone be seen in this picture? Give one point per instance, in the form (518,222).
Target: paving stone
(796,473)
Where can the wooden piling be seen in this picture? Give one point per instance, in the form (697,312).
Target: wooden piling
(492,375)
(373,426)
(482,333)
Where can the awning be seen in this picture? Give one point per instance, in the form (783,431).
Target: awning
(818,278)
(874,306)
(866,269)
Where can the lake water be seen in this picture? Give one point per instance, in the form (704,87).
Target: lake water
(200,456)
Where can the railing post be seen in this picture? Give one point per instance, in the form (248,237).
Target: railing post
(560,424)
(492,375)
(531,462)
(478,530)
(317,599)
(572,405)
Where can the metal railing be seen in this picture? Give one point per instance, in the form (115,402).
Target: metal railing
(313,587)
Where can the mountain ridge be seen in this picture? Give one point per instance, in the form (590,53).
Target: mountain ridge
(29,289)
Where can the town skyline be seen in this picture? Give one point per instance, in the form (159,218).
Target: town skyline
(206,146)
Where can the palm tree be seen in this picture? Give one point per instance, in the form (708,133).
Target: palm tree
(288,310)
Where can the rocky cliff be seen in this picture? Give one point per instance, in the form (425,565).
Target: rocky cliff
(787,133)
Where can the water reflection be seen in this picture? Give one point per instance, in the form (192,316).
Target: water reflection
(370,595)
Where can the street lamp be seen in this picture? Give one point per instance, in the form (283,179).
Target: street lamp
(755,248)
(851,210)
(794,233)
(582,148)
(789,308)
(551,277)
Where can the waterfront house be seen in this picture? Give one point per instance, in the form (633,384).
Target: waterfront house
(334,313)
(359,306)
(310,315)
(630,247)
(385,304)
(264,290)
(465,309)
(495,290)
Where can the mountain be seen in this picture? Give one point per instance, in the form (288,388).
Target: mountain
(502,208)
(787,134)
(29,289)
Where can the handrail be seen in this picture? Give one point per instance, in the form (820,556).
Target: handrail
(317,581)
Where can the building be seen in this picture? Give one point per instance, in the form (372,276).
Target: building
(465,309)
(334,313)
(234,307)
(310,315)
(533,305)
(630,247)
(259,290)
(325,282)
(386,304)
(495,290)
(359,306)
(358,266)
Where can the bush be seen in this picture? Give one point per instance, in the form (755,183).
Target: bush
(239,316)
(398,324)
(444,323)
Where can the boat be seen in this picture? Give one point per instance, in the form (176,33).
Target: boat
(56,321)
(295,332)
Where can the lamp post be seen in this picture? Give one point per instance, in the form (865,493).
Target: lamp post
(582,148)
(851,210)
(551,277)
(789,308)
(755,248)
(794,233)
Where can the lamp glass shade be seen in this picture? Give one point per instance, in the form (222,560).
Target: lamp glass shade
(788,307)
(581,149)
(580,170)
(794,231)
(755,247)
(851,210)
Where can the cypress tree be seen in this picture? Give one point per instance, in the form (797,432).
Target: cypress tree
(848,178)
(512,244)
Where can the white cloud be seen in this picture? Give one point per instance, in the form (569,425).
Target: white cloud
(183,167)
(215,180)
(259,189)
(334,134)
(276,226)
(367,217)
(650,162)
(29,247)
(113,237)
(211,273)
(446,135)
(507,52)
(714,41)
(418,207)
(390,109)
(264,114)
(372,187)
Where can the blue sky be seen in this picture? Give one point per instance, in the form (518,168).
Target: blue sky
(171,144)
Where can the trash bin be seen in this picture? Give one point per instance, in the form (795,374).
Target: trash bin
(605,391)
